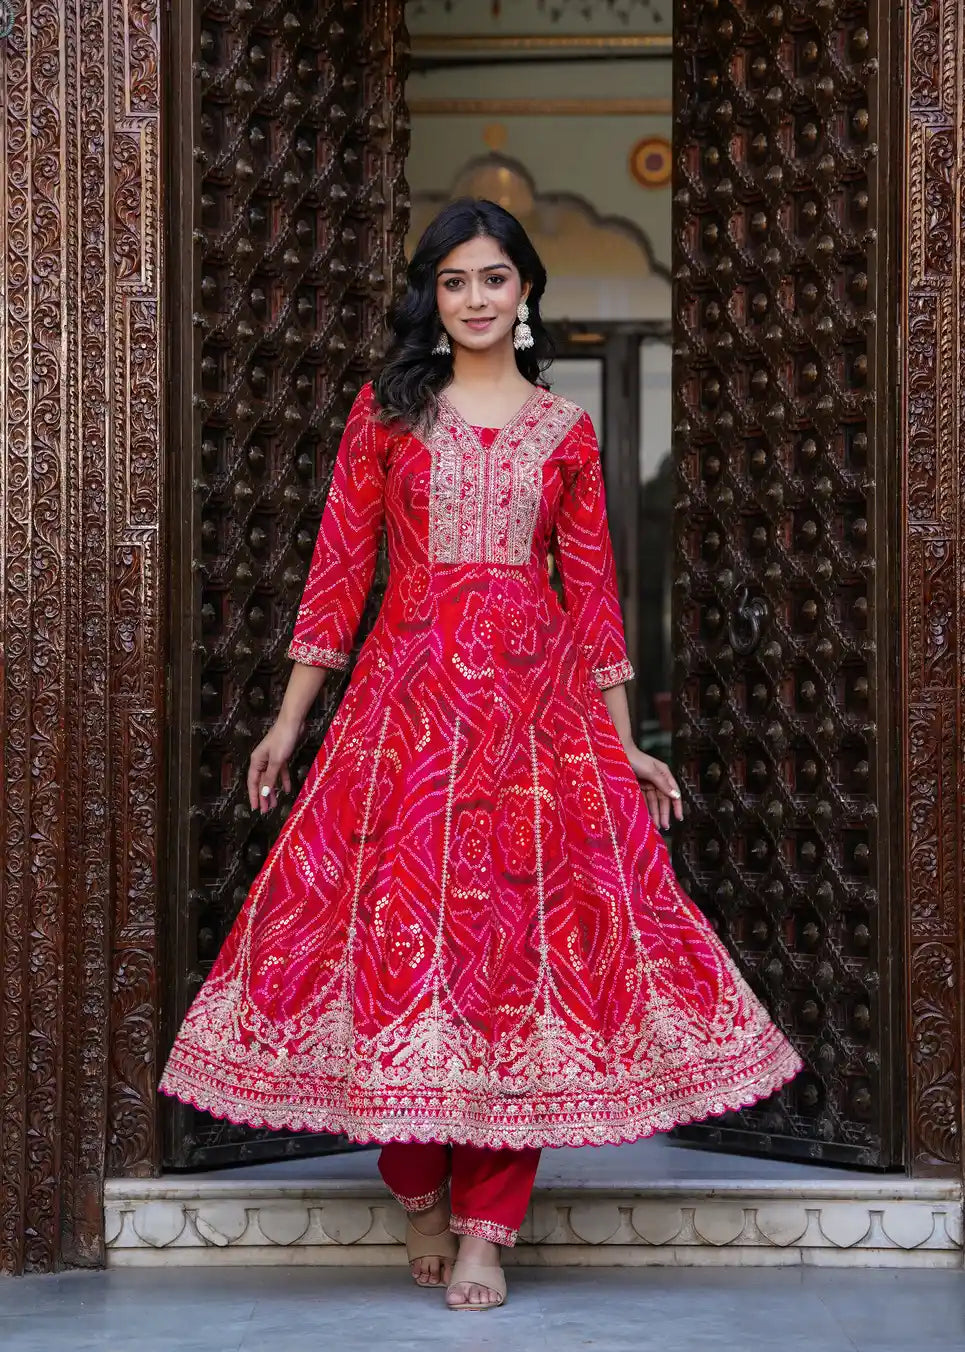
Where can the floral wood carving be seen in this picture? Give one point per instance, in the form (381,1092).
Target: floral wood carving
(932,581)
(79,619)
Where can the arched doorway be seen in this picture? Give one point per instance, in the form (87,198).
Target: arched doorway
(796,308)
(783,423)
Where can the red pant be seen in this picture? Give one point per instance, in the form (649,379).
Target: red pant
(489,1189)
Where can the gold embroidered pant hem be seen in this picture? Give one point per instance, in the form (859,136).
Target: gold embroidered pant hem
(489,1189)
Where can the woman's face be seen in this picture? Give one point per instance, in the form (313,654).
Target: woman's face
(477,292)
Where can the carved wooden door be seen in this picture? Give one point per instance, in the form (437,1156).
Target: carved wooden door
(784,645)
(288,135)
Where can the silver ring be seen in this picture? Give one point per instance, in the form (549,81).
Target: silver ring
(265,791)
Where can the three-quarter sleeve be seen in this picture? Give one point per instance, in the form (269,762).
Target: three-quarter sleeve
(343,563)
(584,556)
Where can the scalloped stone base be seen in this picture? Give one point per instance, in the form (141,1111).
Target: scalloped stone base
(625,1209)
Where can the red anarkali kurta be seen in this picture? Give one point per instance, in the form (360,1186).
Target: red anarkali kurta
(468,929)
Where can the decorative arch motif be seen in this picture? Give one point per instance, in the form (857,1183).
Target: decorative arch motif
(600,267)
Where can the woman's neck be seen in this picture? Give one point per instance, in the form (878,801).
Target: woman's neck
(482,370)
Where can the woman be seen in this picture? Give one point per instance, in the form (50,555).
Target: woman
(467,942)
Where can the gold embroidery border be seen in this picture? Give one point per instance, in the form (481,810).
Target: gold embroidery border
(310,655)
(505,1235)
(617,673)
(458,514)
(588,1116)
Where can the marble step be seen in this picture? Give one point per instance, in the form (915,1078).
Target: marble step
(649,1204)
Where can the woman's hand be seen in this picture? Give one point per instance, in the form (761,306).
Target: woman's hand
(269,760)
(658,784)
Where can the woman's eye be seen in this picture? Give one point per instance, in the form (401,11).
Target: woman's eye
(451,283)
(497,278)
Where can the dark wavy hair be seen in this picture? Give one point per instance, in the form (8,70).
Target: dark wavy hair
(408,382)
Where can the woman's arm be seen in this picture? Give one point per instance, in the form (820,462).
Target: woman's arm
(303,689)
(269,760)
(584,554)
(658,784)
(343,564)
(343,560)
(616,702)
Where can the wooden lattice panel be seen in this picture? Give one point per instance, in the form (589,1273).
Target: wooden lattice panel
(297,223)
(782,640)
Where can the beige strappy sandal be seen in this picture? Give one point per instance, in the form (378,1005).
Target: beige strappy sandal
(468,1273)
(442,1245)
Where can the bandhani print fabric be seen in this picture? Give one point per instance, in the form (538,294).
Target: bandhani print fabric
(468,929)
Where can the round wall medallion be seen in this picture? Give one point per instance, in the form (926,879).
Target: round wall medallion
(651,162)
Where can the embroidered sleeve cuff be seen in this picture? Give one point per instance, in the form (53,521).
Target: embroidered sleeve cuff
(615,674)
(312,656)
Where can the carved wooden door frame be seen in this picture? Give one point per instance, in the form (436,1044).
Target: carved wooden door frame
(82,578)
(82,595)
(930,556)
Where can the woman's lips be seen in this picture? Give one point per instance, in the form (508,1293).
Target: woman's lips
(479,325)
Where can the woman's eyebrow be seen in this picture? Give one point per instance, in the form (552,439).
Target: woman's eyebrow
(460,272)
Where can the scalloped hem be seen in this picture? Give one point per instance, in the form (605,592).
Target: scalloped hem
(544,1133)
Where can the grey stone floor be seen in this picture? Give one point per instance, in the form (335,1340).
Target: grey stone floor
(550,1310)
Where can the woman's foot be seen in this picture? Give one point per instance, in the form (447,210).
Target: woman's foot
(475,1257)
(435,1269)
